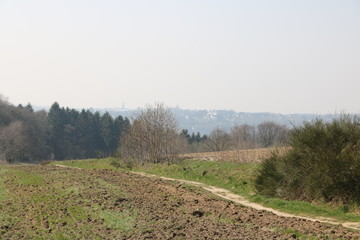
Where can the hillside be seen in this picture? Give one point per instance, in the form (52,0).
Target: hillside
(204,121)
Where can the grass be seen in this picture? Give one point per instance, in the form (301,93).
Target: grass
(104,163)
(123,221)
(3,216)
(53,202)
(2,190)
(77,213)
(239,178)
(24,178)
(308,209)
(233,176)
(236,177)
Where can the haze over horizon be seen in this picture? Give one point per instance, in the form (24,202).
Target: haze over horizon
(248,56)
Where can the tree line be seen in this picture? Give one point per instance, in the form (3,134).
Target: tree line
(62,133)
(266,134)
(77,135)
(152,136)
(322,164)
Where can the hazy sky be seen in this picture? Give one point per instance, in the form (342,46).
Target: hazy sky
(251,56)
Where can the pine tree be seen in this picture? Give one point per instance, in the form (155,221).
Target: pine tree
(57,121)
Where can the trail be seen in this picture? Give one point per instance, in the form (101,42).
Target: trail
(226,194)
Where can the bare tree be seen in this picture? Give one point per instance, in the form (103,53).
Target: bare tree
(270,134)
(218,140)
(3,99)
(12,141)
(153,136)
(243,136)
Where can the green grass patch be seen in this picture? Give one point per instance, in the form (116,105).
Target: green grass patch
(2,190)
(236,177)
(77,213)
(306,208)
(104,163)
(43,206)
(59,236)
(122,221)
(24,178)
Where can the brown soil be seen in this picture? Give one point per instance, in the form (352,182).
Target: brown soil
(243,156)
(226,194)
(161,209)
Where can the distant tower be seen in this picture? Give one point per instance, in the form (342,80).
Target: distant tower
(123,105)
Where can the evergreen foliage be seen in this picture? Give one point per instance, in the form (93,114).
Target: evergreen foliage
(62,133)
(323,163)
(193,138)
(78,135)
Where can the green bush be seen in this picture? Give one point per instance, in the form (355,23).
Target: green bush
(323,163)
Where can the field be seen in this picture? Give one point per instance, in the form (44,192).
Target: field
(52,202)
(240,156)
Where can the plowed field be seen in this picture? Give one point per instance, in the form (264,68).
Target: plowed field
(49,202)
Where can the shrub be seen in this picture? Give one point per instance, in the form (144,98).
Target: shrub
(323,163)
(122,163)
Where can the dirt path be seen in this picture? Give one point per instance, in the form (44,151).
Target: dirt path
(226,194)
(50,202)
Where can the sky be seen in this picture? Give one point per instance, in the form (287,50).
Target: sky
(276,56)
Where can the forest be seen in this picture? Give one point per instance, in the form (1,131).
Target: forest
(63,133)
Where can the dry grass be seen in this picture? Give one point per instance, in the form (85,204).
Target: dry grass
(243,156)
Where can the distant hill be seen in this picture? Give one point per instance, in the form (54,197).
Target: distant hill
(204,121)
